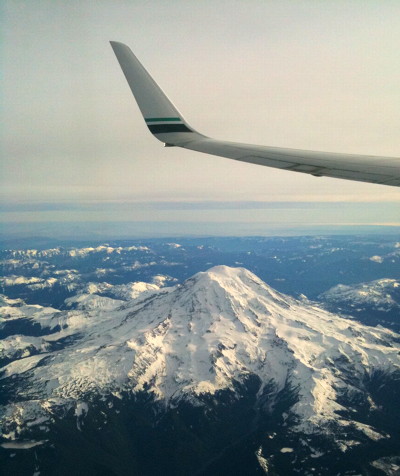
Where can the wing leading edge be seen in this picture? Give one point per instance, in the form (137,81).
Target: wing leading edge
(169,126)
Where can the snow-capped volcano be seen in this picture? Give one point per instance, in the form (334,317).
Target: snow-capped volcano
(213,331)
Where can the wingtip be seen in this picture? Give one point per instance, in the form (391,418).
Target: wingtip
(116,43)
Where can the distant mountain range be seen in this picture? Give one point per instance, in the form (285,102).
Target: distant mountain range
(373,303)
(220,374)
(297,266)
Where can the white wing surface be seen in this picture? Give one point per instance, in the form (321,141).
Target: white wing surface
(167,124)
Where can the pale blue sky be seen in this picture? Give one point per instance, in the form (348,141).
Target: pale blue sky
(302,74)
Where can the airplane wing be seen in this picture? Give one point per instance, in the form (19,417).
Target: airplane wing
(167,124)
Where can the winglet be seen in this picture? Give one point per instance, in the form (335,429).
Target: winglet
(161,116)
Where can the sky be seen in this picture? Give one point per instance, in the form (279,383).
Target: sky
(299,74)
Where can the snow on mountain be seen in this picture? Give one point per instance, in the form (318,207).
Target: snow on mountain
(91,302)
(174,245)
(216,329)
(6,301)
(130,290)
(376,259)
(382,294)
(71,281)
(18,346)
(391,256)
(105,249)
(97,288)
(29,255)
(16,310)
(53,324)
(18,280)
(68,279)
(162,280)
(35,253)
(80,252)
(133,290)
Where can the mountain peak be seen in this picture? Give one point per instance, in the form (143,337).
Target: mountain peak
(236,289)
(222,273)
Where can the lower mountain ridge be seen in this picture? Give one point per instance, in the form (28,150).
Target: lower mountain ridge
(375,302)
(219,375)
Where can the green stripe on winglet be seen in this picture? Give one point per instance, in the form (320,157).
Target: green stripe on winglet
(157,119)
